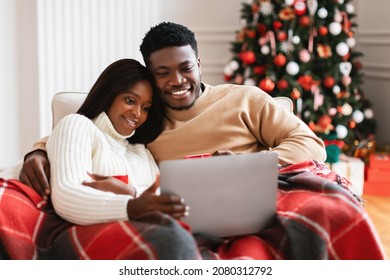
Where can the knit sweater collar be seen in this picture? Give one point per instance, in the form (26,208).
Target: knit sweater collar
(103,122)
(196,109)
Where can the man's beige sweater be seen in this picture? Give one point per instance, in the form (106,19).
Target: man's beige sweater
(243,119)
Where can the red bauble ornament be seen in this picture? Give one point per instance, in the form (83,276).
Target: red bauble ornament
(262,28)
(282,84)
(282,36)
(227,78)
(259,70)
(295,94)
(328,82)
(250,33)
(312,126)
(280,60)
(277,25)
(323,31)
(324,121)
(255,8)
(304,21)
(300,8)
(352,124)
(247,57)
(267,85)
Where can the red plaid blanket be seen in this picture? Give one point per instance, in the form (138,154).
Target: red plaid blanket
(317,218)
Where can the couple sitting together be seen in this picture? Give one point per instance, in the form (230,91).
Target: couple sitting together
(91,190)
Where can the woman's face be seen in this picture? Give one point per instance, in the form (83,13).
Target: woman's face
(130,109)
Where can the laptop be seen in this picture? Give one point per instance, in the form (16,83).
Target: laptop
(228,195)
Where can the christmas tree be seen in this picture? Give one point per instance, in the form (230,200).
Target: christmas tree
(305,50)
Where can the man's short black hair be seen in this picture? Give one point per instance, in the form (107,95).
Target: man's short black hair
(167,34)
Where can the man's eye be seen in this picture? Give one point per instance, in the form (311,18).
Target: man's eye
(187,69)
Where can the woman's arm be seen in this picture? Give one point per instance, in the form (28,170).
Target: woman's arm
(70,148)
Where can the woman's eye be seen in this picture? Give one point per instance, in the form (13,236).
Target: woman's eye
(163,74)
(146,109)
(129,100)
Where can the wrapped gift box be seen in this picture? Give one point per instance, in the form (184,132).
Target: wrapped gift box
(380,161)
(353,170)
(378,176)
(378,189)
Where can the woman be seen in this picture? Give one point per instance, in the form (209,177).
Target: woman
(100,216)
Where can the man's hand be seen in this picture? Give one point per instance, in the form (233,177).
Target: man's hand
(109,184)
(36,172)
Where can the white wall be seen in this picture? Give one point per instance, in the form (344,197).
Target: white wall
(9,139)
(373,38)
(214,23)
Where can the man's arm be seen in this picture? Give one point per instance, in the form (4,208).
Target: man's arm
(35,171)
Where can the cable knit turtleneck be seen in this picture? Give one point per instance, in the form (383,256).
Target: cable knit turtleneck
(78,145)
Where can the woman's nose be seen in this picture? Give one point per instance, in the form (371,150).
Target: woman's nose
(136,111)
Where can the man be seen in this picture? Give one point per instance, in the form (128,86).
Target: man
(203,118)
(316,218)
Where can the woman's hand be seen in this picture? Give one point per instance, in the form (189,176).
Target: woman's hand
(109,184)
(148,201)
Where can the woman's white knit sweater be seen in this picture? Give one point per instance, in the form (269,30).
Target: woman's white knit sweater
(78,145)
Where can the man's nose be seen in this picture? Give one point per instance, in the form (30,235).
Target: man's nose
(177,79)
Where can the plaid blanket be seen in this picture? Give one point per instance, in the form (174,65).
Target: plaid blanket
(317,218)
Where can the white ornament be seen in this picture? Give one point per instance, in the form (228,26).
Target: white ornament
(351,42)
(336,89)
(341,2)
(369,113)
(249,82)
(337,16)
(345,68)
(306,114)
(227,70)
(335,28)
(346,109)
(341,131)
(296,39)
(289,2)
(234,65)
(322,13)
(286,47)
(358,116)
(265,49)
(350,8)
(332,111)
(266,8)
(304,55)
(312,6)
(342,49)
(292,68)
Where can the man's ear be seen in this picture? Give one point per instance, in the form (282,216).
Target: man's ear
(199,65)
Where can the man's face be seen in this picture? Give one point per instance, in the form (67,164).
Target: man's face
(176,71)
